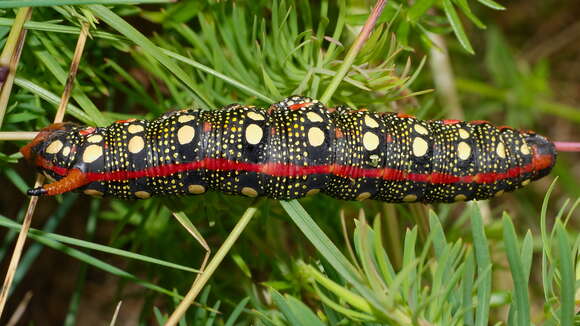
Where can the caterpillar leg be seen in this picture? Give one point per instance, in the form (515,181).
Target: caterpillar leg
(73,180)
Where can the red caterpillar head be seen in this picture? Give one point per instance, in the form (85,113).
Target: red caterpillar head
(53,150)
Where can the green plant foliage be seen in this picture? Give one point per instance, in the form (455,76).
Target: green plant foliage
(316,261)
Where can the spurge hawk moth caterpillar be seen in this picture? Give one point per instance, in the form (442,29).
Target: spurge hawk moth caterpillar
(295,148)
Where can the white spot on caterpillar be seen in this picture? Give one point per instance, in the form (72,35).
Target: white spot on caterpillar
(370,141)
(185,134)
(196,189)
(66,151)
(314,117)
(92,153)
(421,130)
(54,147)
(464,134)
(500,150)
(463,150)
(255,116)
(250,192)
(142,194)
(133,129)
(185,118)
(370,122)
(315,136)
(410,198)
(95,139)
(136,144)
(525,149)
(254,134)
(93,192)
(420,146)
(362,196)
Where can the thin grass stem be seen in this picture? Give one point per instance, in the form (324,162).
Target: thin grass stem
(353,51)
(11,56)
(213,264)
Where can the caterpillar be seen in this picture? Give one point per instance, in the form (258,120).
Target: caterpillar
(295,148)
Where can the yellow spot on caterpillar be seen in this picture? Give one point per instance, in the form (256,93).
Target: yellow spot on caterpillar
(92,153)
(410,198)
(460,197)
(370,141)
(499,193)
(66,151)
(185,134)
(142,194)
(500,150)
(315,136)
(133,129)
(463,150)
(185,118)
(54,147)
(420,146)
(370,122)
(93,192)
(255,116)
(525,149)
(421,130)
(95,139)
(136,144)
(196,189)
(464,134)
(314,117)
(363,196)
(254,134)
(250,192)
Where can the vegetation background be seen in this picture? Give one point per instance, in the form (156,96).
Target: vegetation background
(512,260)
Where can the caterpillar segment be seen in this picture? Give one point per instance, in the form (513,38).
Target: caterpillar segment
(295,148)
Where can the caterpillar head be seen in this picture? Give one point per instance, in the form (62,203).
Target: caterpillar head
(543,154)
(53,150)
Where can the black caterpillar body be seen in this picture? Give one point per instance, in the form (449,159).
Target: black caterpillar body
(295,148)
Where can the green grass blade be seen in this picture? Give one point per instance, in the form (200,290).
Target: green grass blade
(237,312)
(77,254)
(284,307)
(50,3)
(52,98)
(567,284)
(522,301)
(327,249)
(457,26)
(151,49)
(491,4)
(93,246)
(483,260)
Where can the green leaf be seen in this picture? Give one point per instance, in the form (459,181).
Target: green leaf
(151,49)
(328,250)
(522,301)
(492,4)
(284,307)
(457,26)
(418,9)
(483,260)
(568,284)
(237,312)
(50,3)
